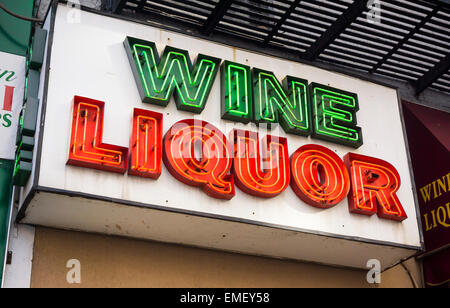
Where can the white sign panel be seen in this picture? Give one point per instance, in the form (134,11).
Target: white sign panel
(12,83)
(93,64)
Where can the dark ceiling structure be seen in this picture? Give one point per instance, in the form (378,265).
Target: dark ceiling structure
(392,39)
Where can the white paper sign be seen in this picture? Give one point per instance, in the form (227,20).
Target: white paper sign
(12,83)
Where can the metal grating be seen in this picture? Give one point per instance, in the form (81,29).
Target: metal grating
(411,41)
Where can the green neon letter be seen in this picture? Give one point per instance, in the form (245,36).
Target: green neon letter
(158,79)
(285,103)
(237,99)
(335,115)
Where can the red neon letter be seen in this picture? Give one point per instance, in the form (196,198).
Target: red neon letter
(146,144)
(266,182)
(210,171)
(374,186)
(319,176)
(86,147)
(7,103)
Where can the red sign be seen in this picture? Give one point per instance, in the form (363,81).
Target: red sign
(86,146)
(374,186)
(319,176)
(198,154)
(210,171)
(274,177)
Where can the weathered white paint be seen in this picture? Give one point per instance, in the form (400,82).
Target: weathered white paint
(88,59)
(108,218)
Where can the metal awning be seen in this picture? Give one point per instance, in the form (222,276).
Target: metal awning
(411,41)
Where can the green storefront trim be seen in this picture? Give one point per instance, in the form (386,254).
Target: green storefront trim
(6,171)
(14,32)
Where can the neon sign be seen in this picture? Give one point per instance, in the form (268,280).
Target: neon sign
(210,170)
(199,154)
(286,104)
(335,115)
(237,95)
(146,144)
(319,176)
(172,74)
(248,95)
(374,186)
(275,176)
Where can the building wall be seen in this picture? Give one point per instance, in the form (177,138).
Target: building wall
(119,262)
